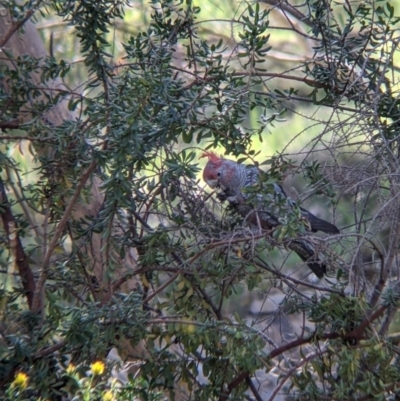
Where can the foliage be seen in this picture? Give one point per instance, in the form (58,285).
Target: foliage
(110,242)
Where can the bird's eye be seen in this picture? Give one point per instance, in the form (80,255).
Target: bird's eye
(219,174)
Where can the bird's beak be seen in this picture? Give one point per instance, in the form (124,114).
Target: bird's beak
(212,183)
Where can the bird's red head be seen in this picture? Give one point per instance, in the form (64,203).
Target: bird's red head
(212,156)
(211,171)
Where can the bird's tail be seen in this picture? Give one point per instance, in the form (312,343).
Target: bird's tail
(318,224)
(307,254)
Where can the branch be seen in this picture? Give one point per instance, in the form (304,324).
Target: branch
(253,389)
(17,251)
(16,25)
(309,100)
(292,370)
(189,261)
(24,138)
(12,124)
(386,265)
(283,276)
(163,286)
(356,334)
(288,8)
(47,351)
(37,301)
(310,82)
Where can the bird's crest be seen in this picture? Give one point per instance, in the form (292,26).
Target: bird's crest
(211,156)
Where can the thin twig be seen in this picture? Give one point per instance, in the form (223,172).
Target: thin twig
(17,251)
(356,334)
(37,301)
(16,25)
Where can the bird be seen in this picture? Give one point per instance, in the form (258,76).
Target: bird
(237,182)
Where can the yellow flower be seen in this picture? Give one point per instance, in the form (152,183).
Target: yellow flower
(108,395)
(70,369)
(21,381)
(97,368)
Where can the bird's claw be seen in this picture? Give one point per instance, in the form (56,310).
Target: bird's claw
(222,197)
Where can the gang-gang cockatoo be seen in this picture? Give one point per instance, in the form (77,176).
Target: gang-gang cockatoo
(233,178)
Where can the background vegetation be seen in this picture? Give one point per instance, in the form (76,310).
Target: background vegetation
(123,277)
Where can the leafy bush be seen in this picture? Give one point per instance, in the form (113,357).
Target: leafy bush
(112,243)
